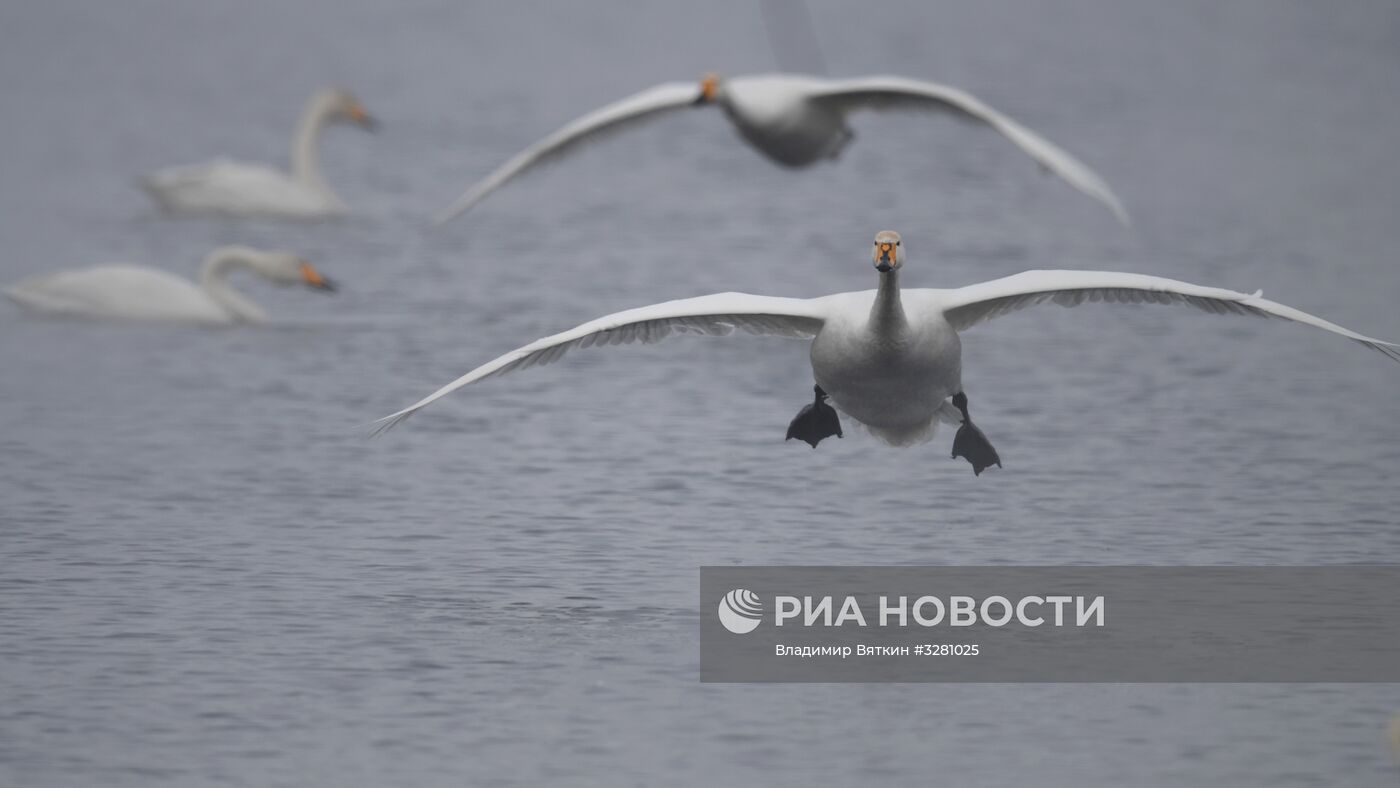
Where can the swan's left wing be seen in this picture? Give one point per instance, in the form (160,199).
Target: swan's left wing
(716,315)
(889,92)
(968,306)
(593,126)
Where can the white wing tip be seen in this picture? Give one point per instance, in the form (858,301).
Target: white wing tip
(1098,189)
(443,217)
(380,426)
(1390,350)
(458,207)
(1119,211)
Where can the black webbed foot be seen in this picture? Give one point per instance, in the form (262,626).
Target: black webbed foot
(815,421)
(970,443)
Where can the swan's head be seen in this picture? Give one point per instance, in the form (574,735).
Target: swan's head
(342,106)
(709,89)
(889,253)
(286,268)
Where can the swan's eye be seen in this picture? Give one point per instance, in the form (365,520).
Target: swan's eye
(897,243)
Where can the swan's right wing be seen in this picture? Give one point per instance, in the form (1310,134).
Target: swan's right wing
(715,315)
(614,117)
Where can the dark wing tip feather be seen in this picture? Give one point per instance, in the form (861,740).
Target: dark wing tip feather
(380,426)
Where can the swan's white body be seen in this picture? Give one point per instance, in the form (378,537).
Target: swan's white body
(795,121)
(236,189)
(888,362)
(889,359)
(129,292)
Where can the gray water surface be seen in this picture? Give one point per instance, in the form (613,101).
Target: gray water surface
(208,575)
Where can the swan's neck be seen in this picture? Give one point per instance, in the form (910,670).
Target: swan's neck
(887,313)
(214,280)
(306,158)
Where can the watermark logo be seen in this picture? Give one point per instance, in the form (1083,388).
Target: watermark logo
(1050,624)
(740,611)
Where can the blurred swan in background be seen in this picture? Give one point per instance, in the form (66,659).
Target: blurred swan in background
(130,292)
(238,189)
(795,121)
(890,359)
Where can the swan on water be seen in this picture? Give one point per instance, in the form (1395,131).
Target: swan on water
(132,292)
(237,189)
(794,120)
(888,358)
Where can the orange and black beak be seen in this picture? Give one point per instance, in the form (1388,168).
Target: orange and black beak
(709,88)
(313,278)
(884,257)
(363,119)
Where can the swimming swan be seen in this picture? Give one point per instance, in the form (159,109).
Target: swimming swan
(795,121)
(130,292)
(233,188)
(889,359)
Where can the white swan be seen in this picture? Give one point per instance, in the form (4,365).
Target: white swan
(795,121)
(233,188)
(130,292)
(889,359)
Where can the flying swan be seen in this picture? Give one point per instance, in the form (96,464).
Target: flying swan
(236,189)
(131,292)
(889,359)
(795,121)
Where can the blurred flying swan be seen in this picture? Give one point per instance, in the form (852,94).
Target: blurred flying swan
(889,359)
(794,120)
(131,292)
(237,189)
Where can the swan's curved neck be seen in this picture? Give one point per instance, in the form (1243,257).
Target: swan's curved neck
(214,279)
(887,313)
(306,159)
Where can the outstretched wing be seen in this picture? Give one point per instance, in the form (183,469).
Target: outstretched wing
(889,92)
(715,315)
(614,117)
(968,306)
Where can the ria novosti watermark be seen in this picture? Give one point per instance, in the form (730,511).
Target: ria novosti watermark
(1091,624)
(931,611)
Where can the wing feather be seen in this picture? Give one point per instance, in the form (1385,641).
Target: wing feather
(890,92)
(977,303)
(591,127)
(713,315)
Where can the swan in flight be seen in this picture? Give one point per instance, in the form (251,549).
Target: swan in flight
(889,358)
(132,292)
(234,188)
(794,120)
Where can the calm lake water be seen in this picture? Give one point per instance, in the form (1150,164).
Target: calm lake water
(208,575)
